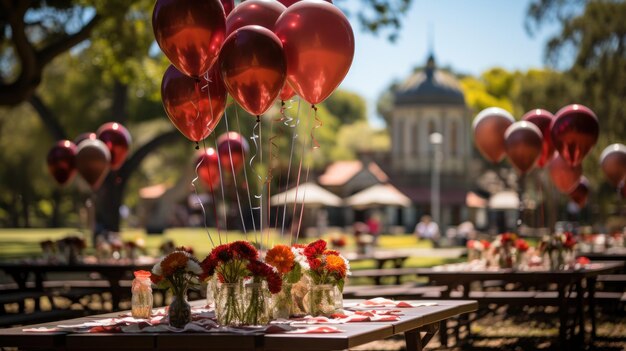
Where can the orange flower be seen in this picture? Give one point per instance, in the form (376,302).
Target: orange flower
(280,257)
(174,261)
(336,264)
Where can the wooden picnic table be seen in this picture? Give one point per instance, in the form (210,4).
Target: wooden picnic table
(113,272)
(381,257)
(418,324)
(565,280)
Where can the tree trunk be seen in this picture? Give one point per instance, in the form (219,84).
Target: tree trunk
(111,194)
(120,102)
(55,219)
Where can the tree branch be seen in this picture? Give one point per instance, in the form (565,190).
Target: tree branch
(55,49)
(47,117)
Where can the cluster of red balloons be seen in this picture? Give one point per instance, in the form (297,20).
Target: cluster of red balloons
(91,154)
(256,52)
(230,156)
(572,132)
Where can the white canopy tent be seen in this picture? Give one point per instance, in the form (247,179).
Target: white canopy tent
(378,195)
(504,200)
(309,193)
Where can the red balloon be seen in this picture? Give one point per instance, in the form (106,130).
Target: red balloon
(193,110)
(62,161)
(238,148)
(489,126)
(253,67)
(291,2)
(117,139)
(228,6)
(574,131)
(190,33)
(92,162)
(319,46)
(564,176)
(580,194)
(260,12)
(613,162)
(208,169)
(84,136)
(286,92)
(542,119)
(523,143)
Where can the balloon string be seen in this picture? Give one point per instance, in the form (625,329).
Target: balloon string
(318,124)
(258,196)
(219,168)
(245,174)
(199,201)
(314,147)
(274,150)
(294,138)
(232,169)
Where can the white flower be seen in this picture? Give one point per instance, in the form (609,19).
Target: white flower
(300,258)
(478,246)
(157,268)
(193,267)
(348,272)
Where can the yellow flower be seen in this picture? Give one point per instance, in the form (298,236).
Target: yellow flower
(336,264)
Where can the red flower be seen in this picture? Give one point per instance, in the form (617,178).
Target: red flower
(156,279)
(470,244)
(260,269)
(315,248)
(583,261)
(223,252)
(299,246)
(208,266)
(244,250)
(331,252)
(486,244)
(570,241)
(521,245)
(507,237)
(315,263)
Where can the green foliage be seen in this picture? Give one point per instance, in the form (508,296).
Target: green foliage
(347,106)
(359,137)
(478,97)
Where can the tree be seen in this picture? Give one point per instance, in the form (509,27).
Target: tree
(347,106)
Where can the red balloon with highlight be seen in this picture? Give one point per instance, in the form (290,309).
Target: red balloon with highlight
(117,139)
(190,33)
(187,103)
(250,12)
(319,47)
(232,146)
(253,68)
(613,162)
(523,142)
(564,177)
(542,119)
(62,161)
(574,131)
(489,126)
(208,170)
(93,162)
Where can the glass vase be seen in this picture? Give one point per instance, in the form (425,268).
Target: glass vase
(211,292)
(324,300)
(179,312)
(282,303)
(256,304)
(229,304)
(299,297)
(141,301)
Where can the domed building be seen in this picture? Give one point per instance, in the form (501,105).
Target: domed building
(431,101)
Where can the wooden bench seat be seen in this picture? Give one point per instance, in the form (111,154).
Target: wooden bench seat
(377,274)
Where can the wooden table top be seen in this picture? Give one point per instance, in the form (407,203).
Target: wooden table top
(353,334)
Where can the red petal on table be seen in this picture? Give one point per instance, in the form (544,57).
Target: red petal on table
(365,313)
(356,318)
(338,315)
(316,330)
(106,329)
(403,304)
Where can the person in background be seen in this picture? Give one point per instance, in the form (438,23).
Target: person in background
(465,232)
(373,227)
(427,229)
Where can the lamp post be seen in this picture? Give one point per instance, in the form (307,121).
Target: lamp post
(436,140)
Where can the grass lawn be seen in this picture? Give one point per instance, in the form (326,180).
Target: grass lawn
(21,243)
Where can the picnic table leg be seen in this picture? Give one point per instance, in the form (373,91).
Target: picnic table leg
(116,290)
(414,340)
(562,314)
(591,289)
(580,311)
(20,277)
(443,324)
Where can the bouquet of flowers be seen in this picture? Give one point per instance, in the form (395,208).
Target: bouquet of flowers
(232,264)
(521,247)
(556,247)
(503,249)
(283,259)
(327,271)
(177,271)
(477,248)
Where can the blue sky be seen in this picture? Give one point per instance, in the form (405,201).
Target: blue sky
(470,36)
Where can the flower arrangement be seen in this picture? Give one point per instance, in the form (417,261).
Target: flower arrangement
(283,259)
(558,249)
(233,263)
(521,248)
(477,249)
(338,241)
(503,249)
(177,271)
(327,271)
